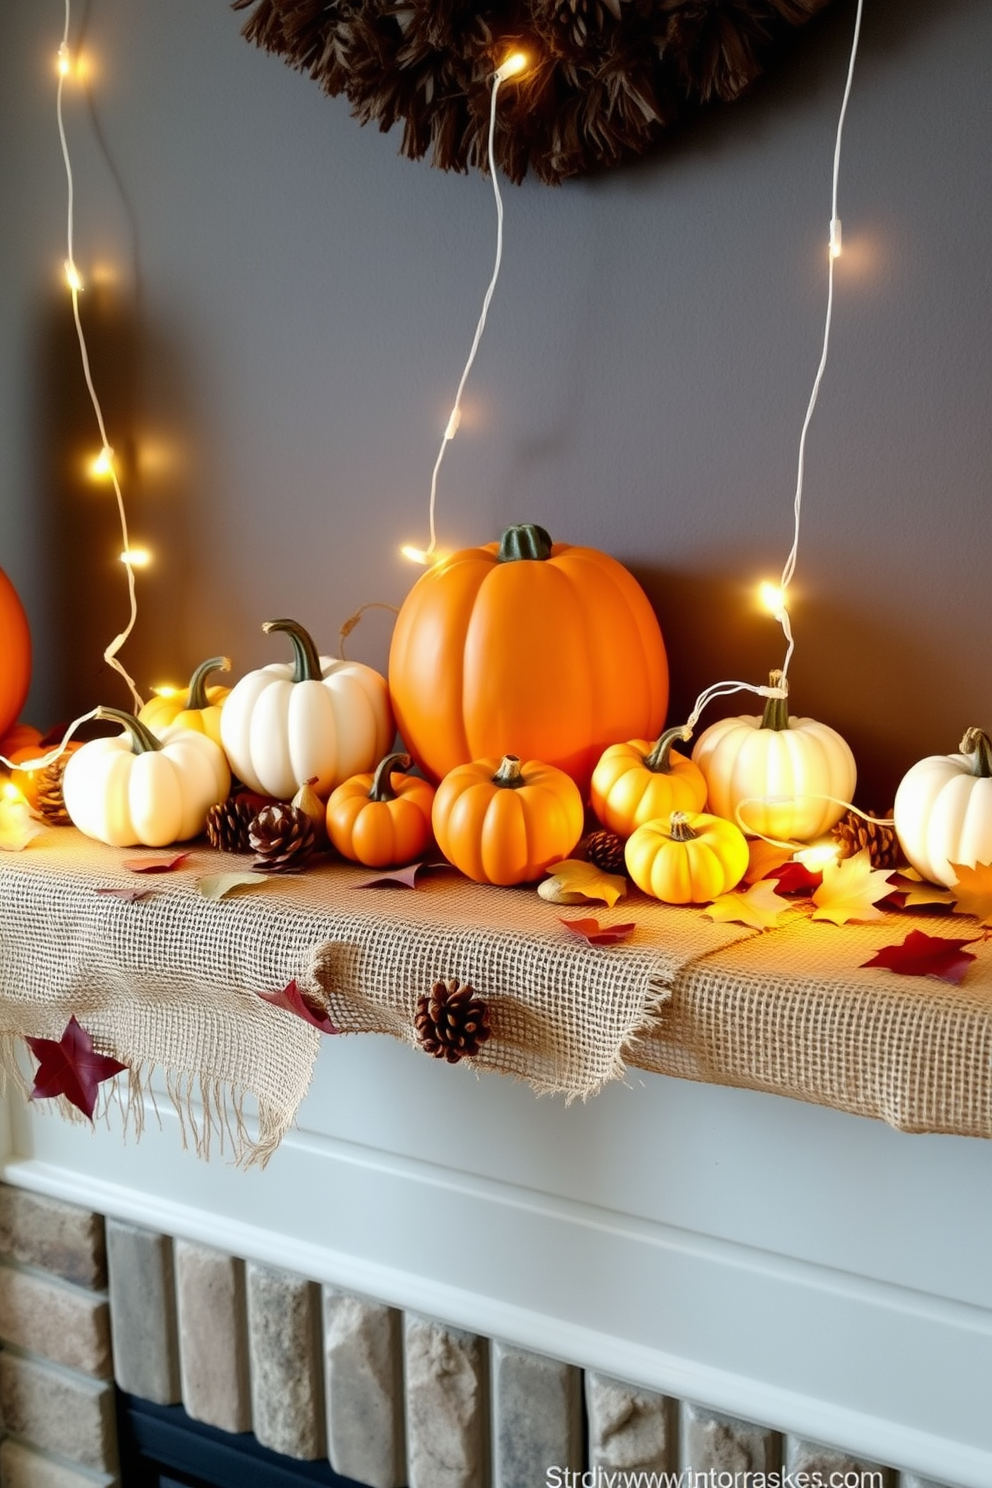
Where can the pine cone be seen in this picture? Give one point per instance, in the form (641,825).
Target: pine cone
(51,802)
(282,838)
(228,822)
(605,849)
(853,832)
(452,1021)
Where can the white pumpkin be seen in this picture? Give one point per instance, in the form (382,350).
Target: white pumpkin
(310,719)
(782,767)
(144,787)
(943,810)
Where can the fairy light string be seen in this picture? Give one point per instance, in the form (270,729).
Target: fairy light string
(514,64)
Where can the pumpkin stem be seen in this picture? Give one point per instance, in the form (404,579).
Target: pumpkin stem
(679,829)
(525,541)
(776,714)
(658,760)
(306,655)
(509,773)
(143,741)
(977,742)
(382,786)
(197,697)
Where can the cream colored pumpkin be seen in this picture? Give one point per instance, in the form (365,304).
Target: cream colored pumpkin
(790,777)
(311,719)
(943,810)
(143,787)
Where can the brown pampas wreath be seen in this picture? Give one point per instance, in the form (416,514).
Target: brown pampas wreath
(608,77)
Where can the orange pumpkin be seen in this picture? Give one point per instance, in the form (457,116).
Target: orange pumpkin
(545,649)
(29,781)
(384,819)
(638,781)
(688,859)
(502,822)
(21,736)
(15,654)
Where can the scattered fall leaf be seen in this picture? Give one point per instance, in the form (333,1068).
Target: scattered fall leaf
(597,934)
(760,907)
(401,878)
(130,896)
(293,1000)
(155,865)
(926,955)
(219,885)
(851,890)
(795,878)
(70,1066)
(972,893)
(573,881)
(17,826)
(764,858)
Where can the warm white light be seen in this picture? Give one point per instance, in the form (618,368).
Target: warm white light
(836,238)
(772,596)
(102,466)
(73,277)
(513,66)
(167,690)
(11,793)
(453,422)
(136,557)
(415,555)
(818,855)
(65,61)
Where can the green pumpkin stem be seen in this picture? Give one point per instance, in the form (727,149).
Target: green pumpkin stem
(382,788)
(509,774)
(143,741)
(977,742)
(658,760)
(197,697)
(679,829)
(525,541)
(776,714)
(306,654)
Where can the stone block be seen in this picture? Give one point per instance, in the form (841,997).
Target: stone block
(53,1236)
(213,1336)
(287,1386)
(447,1425)
(363,1368)
(143,1312)
(537,1416)
(814,1457)
(61,1412)
(712,1442)
(629,1428)
(21,1467)
(61,1322)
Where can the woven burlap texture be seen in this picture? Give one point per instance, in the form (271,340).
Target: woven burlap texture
(171,982)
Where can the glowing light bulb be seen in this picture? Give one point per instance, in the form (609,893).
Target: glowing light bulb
(136,557)
(836,238)
(11,793)
(415,555)
(167,690)
(512,66)
(73,277)
(102,466)
(64,61)
(818,855)
(772,597)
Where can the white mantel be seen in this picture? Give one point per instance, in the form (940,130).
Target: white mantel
(789,1264)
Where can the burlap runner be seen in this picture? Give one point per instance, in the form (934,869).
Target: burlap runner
(171,982)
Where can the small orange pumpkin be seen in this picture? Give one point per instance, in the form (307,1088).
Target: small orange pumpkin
(197,709)
(639,781)
(384,819)
(28,782)
(688,859)
(503,822)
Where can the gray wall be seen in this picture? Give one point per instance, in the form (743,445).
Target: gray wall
(287,305)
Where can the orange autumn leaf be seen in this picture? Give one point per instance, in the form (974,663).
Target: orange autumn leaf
(764,858)
(851,889)
(973,891)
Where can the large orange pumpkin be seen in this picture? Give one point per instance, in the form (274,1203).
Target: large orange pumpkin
(527,647)
(15,654)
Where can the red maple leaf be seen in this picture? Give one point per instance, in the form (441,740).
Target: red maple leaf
(794,878)
(294,1001)
(597,934)
(70,1066)
(926,955)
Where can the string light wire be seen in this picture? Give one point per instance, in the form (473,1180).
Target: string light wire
(75,288)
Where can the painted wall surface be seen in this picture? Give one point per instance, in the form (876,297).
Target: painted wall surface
(279,308)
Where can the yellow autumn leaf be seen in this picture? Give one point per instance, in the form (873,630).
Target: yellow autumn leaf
(759,907)
(573,881)
(850,890)
(972,892)
(219,885)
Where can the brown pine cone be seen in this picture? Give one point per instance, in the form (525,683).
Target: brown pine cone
(853,832)
(51,803)
(282,838)
(605,849)
(228,822)
(451,1022)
